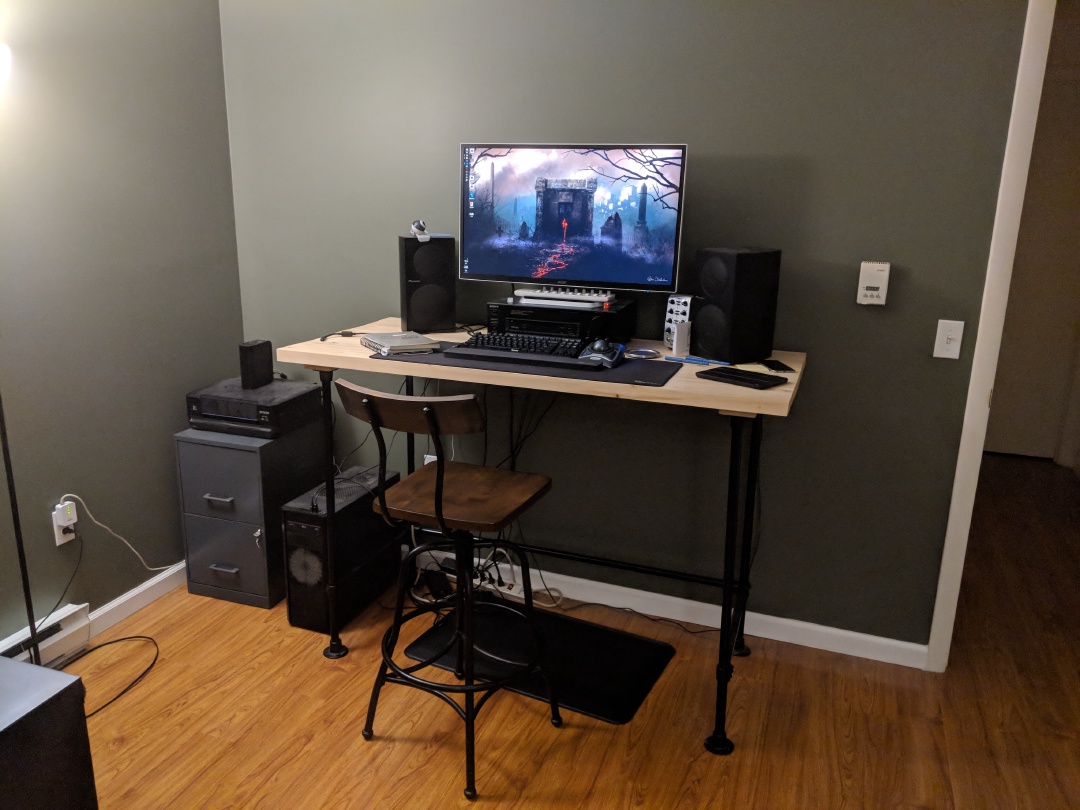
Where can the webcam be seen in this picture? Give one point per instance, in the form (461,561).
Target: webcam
(419,230)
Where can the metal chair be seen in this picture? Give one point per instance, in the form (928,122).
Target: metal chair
(460,501)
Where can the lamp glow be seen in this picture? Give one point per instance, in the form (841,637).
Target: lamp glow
(5,64)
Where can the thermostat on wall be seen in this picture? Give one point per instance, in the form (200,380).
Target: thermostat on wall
(873,283)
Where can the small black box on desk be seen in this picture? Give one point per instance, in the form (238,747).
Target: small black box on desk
(367,550)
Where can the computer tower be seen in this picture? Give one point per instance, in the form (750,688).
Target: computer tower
(734,316)
(428,283)
(367,550)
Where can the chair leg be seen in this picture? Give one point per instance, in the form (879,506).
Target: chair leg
(463,567)
(466,661)
(545,669)
(389,642)
(368,731)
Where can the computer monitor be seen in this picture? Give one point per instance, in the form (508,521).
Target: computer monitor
(572,215)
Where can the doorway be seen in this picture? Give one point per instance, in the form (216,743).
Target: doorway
(1035,409)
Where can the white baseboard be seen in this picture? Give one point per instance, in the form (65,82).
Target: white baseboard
(73,625)
(137,598)
(791,631)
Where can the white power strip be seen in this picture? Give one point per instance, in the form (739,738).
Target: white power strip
(509,573)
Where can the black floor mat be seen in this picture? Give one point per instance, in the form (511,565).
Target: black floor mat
(600,672)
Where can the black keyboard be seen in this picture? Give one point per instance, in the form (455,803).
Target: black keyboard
(738,376)
(533,350)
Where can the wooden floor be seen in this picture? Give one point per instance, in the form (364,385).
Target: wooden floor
(244,711)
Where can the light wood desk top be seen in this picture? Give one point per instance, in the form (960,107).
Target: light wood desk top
(684,388)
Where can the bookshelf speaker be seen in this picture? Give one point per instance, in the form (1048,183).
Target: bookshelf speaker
(256,364)
(735,316)
(428,276)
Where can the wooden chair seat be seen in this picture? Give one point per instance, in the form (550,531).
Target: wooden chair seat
(475,498)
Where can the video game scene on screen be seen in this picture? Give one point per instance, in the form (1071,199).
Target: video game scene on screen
(550,214)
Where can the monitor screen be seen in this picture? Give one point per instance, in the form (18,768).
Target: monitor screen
(592,216)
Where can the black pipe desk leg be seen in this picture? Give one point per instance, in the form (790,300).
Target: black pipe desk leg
(336,648)
(410,439)
(718,742)
(747,550)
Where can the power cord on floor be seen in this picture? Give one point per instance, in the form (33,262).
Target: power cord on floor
(78,563)
(130,686)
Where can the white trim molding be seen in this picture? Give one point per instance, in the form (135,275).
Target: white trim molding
(1010,203)
(78,625)
(137,598)
(831,639)
(791,631)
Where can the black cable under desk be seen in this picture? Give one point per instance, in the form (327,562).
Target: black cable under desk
(744,407)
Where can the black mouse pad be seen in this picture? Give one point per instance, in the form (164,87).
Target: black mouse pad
(654,373)
(598,671)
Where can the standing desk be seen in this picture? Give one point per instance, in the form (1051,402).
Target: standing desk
(743,407)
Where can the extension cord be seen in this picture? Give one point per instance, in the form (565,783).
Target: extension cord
(510,587)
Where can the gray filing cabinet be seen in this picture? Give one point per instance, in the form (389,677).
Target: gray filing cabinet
(232,489)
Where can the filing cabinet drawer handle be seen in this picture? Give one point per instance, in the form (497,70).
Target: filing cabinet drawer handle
(215,500)
(224,569)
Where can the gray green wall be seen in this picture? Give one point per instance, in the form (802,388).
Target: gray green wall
(118,277)
(838,131)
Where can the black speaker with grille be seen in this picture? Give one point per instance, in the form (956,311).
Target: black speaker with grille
(734,314)
(428,276)
(256,364)
(367,550)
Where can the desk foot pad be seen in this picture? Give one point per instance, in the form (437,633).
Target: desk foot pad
(719,745)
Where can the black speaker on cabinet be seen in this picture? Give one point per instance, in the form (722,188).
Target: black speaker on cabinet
(256,364)
(428,276)
(735,315)
(367,550)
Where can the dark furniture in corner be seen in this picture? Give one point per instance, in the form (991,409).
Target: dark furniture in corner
(232,489)
(44,746)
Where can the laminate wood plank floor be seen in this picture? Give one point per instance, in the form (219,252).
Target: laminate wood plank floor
(243,710)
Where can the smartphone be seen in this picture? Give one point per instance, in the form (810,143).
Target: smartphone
(776,365)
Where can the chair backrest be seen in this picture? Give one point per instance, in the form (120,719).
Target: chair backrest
(451,415)
(432,416)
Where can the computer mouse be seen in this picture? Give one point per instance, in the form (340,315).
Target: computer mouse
(600,346)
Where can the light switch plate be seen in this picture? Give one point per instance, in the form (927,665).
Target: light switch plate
(873,283)
(950,334)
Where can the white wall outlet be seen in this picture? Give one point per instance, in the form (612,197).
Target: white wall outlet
(430,457)
(64,517)
(950,334)
(873,283)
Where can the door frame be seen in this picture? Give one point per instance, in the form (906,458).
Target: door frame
(1038,26)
